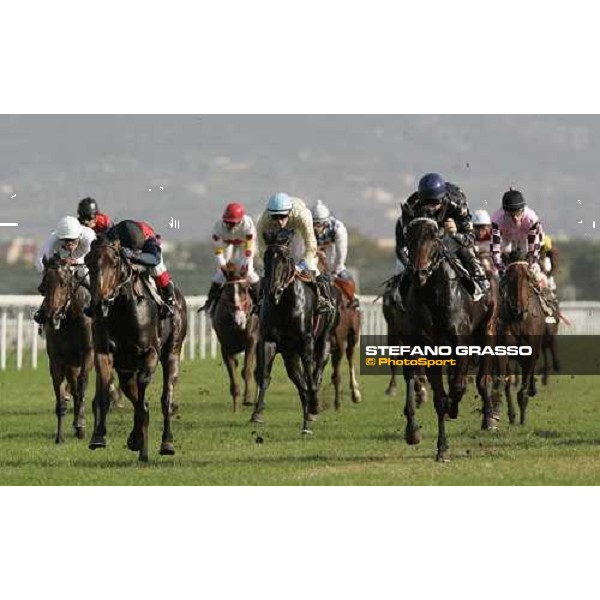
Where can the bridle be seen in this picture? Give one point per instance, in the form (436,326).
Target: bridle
(510,300)
(124,269)
(289,275)
(71,270)
(439,252)
(245,305)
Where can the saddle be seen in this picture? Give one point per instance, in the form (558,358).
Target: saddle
(143,280)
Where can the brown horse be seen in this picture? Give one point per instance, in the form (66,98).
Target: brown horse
(68,341)
(345,337)
(236,326)
(130,335)
(523,323)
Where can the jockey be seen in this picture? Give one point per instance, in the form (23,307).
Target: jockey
(71,241)
(234,241)
(482,226)
(141,245)
(445,203)
(285,212)
(89,215)
(516,227)
(332,239)
(548,260)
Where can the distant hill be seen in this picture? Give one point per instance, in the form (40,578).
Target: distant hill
(361,165)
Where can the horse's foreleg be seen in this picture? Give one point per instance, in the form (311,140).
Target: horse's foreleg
(458,386)
(144,376)
(79,403)
(249,357)
(296,372)
(353,341)
(231,363)
(101,403)
(170,367)
(265,356)
(412,433)
(440,401)
(307,357)
(57,371)
(336,373)
(484,379)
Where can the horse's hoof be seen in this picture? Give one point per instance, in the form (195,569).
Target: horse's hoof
(442,457)
(167,449)
(134,443)
(489,425)
(413,438)
(143,457)
(312,417)
(257,418)
(307,432)
(59,439)
(421,399)
(391,392)
(97,441)
(247,403)
(356,398)
(80,432)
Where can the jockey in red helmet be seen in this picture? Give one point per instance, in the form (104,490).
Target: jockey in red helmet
(234,241)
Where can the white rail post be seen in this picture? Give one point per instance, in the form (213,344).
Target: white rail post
(20,340)
(192,333)
(213,342)
(3,336)
(34,345)
(202,336)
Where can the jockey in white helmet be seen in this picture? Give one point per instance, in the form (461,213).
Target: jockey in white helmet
(287,212)
(234,242)
(332,240)
(70,241)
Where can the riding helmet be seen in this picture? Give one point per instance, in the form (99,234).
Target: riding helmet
(432,187)
(87,208)
(234,213)
(513,201)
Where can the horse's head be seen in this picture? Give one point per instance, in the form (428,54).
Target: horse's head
(517,287)
(424,248)
(236,294)
(58,280)
(109,272)
(279,264)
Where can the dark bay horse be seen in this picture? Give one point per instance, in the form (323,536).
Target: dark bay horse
(68,340)
(441,311)
(523,323)
(290,326)
(345,337)
(130,336)
(236,325)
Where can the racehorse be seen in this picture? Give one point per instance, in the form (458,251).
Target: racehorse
(523,323)
(441,311)
(236,325)
(345,337)
(130,336)
(290,326)
(393,313)
(68,341)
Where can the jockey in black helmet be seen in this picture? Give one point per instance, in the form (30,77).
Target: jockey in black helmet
(446,204)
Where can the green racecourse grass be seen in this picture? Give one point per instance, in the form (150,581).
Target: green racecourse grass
(360,445)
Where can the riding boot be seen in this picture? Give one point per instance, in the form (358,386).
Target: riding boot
(324,295)
(212,298)
(476,271)
(167,294)
(40,316)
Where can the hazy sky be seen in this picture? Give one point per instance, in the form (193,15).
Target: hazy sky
(362,166)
